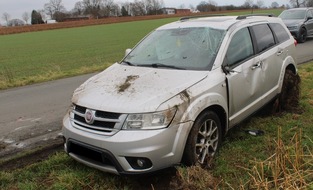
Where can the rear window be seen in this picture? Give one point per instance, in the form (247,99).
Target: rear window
(280,32)
(264,37)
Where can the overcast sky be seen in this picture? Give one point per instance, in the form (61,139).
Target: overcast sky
(16,8)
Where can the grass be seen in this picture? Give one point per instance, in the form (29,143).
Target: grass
(282,158)
(34,57)
(39,56)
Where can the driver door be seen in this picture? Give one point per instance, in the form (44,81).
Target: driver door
(245,77)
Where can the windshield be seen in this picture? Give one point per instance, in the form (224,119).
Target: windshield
(180,48)
(292,14)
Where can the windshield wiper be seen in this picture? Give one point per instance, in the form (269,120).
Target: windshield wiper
(158,65)
(128,63)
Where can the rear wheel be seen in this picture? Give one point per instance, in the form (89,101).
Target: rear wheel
(290,93)
(204,140)
(302,35)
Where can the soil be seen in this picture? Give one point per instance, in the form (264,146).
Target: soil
(30,158)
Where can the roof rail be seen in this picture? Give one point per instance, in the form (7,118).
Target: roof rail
(199,16)
(241,17)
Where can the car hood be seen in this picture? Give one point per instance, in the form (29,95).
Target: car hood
(131,89)
(293,22)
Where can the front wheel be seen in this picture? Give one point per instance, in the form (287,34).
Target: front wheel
(302,35)
(204,140)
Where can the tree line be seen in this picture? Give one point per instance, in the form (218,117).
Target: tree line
(55,10)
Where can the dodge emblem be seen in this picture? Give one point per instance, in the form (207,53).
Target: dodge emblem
(89,116)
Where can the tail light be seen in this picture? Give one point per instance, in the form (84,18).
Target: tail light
(295,42)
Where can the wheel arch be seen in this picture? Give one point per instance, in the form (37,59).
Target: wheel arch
(292,68)
(221,113)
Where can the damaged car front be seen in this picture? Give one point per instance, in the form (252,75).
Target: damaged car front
(135,116)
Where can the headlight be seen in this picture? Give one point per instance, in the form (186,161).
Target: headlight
(155,120)
(70,109)
(292,27)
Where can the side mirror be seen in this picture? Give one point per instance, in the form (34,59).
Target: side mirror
(127,51)
(309,18)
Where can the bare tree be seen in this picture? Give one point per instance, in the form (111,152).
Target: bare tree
(274,5)
(53,7)
(78,8)
(207,6)
(309,3)
(137,8)
(25,17)
(6,17)
(106,7)
(127,8)
(211,2)
(16,22)
(260,3)
(92,7)
(248,4)
(115,10)
(42,14)
(297,3)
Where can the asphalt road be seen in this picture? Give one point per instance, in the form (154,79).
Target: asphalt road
(31,116)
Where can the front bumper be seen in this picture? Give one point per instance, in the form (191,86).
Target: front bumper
(127,151)
(294,31)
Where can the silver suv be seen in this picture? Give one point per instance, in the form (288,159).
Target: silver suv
(178,91)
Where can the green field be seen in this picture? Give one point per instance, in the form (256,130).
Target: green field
(40,56)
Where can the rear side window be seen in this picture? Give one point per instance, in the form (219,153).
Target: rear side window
(264,37)
(310,13)
(280,32)
(240,47)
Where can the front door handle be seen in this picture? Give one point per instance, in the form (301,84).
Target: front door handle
(258,65)
(279,52)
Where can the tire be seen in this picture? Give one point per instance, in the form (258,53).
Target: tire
(204,140)
(302,35)
(290,93)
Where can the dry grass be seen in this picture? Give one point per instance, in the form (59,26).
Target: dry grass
(193,178)
(290,167)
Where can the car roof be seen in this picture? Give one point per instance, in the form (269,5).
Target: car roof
(217,22)
(300,8)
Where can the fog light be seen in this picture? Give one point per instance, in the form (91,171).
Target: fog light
(139,163)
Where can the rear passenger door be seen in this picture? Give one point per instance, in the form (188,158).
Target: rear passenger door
(254,59)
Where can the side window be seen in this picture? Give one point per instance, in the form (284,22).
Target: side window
(309,13)
(280,32)
(240,47)
(264,37)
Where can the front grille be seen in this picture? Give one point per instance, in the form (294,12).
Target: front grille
(106,123)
